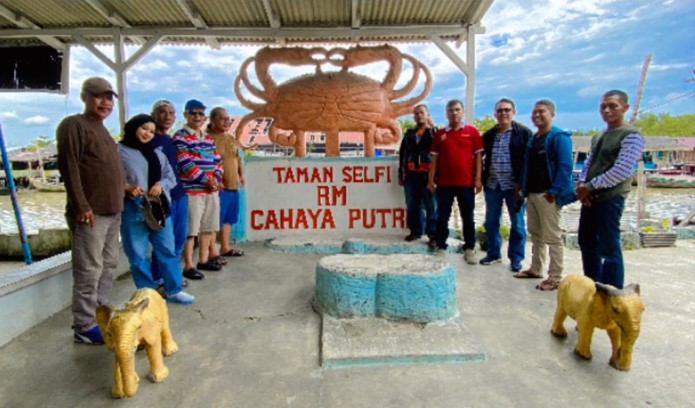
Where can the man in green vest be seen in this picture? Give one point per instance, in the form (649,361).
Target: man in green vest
(604,184)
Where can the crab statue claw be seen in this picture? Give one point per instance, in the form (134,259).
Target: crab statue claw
(330,101)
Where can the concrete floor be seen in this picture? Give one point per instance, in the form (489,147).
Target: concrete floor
(252,340)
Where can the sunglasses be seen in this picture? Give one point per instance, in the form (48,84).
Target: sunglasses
(504,110)
(196,113)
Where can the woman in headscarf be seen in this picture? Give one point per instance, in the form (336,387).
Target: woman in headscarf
(148,174)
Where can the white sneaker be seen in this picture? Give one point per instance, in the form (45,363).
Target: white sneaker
(469,257)
(181,297)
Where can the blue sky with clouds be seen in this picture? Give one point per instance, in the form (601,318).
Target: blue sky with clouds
(569,51)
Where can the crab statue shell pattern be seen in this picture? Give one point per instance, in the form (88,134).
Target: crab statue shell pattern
(332,101)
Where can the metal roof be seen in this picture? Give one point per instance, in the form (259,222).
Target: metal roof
(223,22)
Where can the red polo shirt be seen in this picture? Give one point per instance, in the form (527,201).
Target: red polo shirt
(455,151)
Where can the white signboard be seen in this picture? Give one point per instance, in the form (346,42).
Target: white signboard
(322,196)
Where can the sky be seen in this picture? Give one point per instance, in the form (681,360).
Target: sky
(569,51)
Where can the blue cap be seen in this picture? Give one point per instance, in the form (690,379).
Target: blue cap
(194,103)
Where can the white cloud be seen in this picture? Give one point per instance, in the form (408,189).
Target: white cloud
(9,115)
(666,67)
(36,120)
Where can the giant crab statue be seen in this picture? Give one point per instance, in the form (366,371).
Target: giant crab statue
(332,101)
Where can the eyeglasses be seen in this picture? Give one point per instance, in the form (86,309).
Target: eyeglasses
(196,113)
(504,110)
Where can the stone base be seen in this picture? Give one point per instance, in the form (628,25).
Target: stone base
(372,341)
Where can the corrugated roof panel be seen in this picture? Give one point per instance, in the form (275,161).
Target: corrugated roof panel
(303,19)
(149,12)
(57,13)
(324,13)
(224,13)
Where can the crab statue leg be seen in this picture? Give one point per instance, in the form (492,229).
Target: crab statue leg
(332,143)
(369,136)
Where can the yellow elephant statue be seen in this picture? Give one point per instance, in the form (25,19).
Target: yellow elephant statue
(592,304)
(143,320)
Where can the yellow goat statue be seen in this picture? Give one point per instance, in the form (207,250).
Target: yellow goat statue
(143,320)
(592,304)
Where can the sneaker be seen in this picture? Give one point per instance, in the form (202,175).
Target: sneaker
(515,266)
(91,336)
(469,257)
(181,298)
(488,260)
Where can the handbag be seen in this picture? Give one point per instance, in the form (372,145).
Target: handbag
(155,212)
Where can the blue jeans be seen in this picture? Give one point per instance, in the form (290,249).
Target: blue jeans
(417,196)
(466,200)
(494,198)
(135,236)
(599,240)
(179,219)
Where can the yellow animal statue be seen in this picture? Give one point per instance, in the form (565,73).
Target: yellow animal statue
(143,320)
(331,101)
(592,304)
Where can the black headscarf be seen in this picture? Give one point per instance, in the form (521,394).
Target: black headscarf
(154,167)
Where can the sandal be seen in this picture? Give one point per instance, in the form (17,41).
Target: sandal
(527,274)
(218,260)
(233,252)
(548,284)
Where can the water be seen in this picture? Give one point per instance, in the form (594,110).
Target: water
(45,210)
(39,210)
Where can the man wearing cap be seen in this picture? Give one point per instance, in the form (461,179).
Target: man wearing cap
(164,114)
(200,170)
(94,181)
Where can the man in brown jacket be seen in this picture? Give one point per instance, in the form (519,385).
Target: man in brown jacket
(95,184)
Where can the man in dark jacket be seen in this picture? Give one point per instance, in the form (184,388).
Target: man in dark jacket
(414,164)
(503,162)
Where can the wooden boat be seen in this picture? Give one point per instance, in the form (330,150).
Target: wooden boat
(48,184)
(658,181)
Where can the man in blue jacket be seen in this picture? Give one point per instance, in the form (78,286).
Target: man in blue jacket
(505,146)
(548,185)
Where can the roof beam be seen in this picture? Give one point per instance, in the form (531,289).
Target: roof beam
(317,34)
(94,50)
(113,17)
(356,17)
(272,17)
(25,23)
(198,22)
(444,47)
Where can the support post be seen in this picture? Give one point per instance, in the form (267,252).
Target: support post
(15,204)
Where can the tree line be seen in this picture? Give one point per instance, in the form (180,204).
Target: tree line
(649,124)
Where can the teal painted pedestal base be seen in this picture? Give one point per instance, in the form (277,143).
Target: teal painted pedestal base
(419,288)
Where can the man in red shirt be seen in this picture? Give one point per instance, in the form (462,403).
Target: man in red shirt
(457,165)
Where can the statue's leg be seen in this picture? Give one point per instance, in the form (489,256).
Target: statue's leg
(299,144)
(117,389)
(585,331)
(369,141)
(332,143)
(614,335)
(558,329)
(158,371)
(169,346)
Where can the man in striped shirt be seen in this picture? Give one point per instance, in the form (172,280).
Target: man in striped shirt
(503,162)
(604,184)
(200,170)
